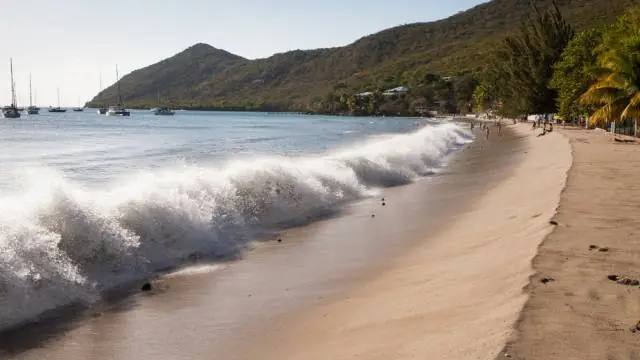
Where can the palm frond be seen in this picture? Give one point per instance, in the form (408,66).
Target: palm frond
(633,108)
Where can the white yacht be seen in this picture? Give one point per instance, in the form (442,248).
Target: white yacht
(161,110)
(118,110)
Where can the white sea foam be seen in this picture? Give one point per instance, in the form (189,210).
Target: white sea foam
(61,243)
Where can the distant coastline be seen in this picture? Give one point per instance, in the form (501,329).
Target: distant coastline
(283,111)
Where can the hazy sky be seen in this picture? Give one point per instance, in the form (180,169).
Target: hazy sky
(67,44)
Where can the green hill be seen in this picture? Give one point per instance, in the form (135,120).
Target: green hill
(203,76)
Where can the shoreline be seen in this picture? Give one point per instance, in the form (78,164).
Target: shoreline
(147,225)
(582,313)
(236,300)
(449,297)
(396,285)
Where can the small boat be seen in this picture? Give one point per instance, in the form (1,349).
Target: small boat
(117,111)
(78,108)
(102,110)
(57,109)
(11,111)
(161,110)
(31,109)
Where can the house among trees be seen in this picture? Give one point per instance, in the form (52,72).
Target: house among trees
(395,91)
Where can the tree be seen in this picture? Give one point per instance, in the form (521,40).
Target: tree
(481,98)
(464,86)
(352,104)
(521,66)
(575,72)
(615,34)
(374,102)
(617,90)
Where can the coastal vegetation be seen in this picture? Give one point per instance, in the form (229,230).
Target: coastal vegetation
(591,76)
(443,64)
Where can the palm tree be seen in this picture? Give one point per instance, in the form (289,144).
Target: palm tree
(617,90)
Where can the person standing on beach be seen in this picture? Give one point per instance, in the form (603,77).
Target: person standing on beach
(486,129)
(499,125)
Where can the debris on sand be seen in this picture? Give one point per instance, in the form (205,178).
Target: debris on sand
(553,222)
(593,247)
(623,280)
(146,286)
(604,249)
(547,279)
(628,281)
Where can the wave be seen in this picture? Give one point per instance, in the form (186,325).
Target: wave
(61,243)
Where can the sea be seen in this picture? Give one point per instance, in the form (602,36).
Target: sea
(89,202)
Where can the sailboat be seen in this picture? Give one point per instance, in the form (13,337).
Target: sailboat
(101,110)
(161,110)
(57,109)
(31,109)
(118,110)
(11,111)
(79,108)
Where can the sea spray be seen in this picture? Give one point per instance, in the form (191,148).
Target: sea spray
(61,243)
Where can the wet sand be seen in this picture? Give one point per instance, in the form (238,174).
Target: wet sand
(438,271)
(583,314)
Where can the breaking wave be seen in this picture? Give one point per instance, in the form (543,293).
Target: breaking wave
(61,243)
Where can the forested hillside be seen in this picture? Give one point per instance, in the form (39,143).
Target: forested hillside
(303,80)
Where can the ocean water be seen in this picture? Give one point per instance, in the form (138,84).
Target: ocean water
(88,202)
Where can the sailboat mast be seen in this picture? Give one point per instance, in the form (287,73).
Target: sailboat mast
(30,96)
(13,85)
(58,91)
(118,87)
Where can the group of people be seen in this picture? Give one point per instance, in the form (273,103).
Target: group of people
(484,126)
(547,126)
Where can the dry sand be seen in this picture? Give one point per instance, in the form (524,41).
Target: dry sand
(583,314)
(456,296)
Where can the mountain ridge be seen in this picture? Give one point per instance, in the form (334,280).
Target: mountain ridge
(202,76)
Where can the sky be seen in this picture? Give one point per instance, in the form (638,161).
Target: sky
(69,44)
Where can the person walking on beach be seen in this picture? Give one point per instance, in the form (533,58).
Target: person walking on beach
(486,129)
(499,125)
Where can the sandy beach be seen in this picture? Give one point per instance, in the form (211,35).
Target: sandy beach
(456,296)
(439,272)
(583,314)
